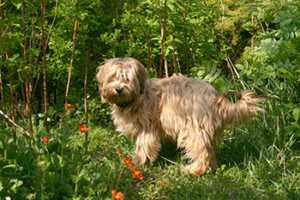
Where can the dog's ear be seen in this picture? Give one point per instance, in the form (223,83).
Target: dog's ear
(100,77)
(138,71)
(142,75)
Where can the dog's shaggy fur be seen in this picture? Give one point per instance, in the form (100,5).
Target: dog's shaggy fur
(186,110)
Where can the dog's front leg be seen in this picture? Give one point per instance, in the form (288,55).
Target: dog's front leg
(147,147)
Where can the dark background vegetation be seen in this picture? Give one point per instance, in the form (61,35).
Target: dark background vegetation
(49,53)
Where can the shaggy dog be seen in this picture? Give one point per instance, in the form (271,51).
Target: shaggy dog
(189,111)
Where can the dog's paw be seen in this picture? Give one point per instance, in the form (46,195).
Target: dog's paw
(138,160)
(184,169)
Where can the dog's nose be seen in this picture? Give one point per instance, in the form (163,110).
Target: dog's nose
(119,90)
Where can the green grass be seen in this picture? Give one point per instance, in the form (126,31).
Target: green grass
(255,162)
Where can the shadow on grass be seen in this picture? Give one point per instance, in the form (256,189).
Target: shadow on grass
(169,151)
(241,145)
(235,152)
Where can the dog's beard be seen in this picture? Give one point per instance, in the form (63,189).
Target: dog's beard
(123,99)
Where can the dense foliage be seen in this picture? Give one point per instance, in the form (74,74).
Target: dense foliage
(234,45)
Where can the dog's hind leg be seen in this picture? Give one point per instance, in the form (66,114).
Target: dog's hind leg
(205,162)
(200,149)
(147,147)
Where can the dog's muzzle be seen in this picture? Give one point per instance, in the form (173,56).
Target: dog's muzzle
(119,90)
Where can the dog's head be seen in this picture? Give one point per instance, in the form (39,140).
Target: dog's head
(121,80)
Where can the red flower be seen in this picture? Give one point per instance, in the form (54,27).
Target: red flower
(45,139)
(117,195)
(127,161)
(119,151)
(137,173)
(32,196)
(83,128)
(67,105)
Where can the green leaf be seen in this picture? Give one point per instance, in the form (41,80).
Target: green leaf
(10,166)
(296,113)
(18,5)
(75,178)
(16,183)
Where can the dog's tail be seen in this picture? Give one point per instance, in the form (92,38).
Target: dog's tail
(248,105)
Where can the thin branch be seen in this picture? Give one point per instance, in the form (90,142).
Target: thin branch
(11,89)
(222,19)
(28,109)
(163,33)
(253,35)
(148,53)
(170,161)
(71,62)
(44,65)
(14,123)
(237,74)
(12,103)
(2,96)
(31,45)
(174,53)
(1,83)
(41,46)
(85,94)
(166,67)
(52,24)
(262,27)
(226,55)
(4,31)
(233,77)
(185,38)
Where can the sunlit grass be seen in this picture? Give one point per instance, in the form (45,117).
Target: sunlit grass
(61,164)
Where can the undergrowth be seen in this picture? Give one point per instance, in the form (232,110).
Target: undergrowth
(255,162)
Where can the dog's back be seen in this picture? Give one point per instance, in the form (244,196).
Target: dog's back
(197,103)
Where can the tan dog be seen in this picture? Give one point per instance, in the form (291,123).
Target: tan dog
(187,110)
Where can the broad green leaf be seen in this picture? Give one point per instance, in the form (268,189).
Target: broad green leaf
(296,113)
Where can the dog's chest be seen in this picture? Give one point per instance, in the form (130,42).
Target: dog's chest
(126,124)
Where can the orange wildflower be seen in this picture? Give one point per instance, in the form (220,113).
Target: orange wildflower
(83,128)
(137,173)
(67,105)
(45,139)
(127,161)
(117,195)
(119,151)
